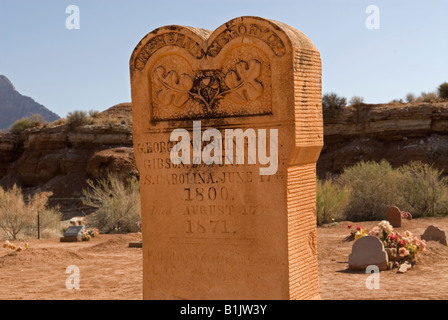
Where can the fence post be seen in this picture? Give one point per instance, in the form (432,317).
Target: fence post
(38,224)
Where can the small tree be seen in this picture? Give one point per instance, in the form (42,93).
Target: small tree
(443,91)
(332,104)
(356,100)
(17,214)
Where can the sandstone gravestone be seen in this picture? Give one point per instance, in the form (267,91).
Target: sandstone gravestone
(366,251)
(227,131)
(73,234)
(433,233)
(393,215)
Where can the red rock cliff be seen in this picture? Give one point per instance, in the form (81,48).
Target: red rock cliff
(398,133)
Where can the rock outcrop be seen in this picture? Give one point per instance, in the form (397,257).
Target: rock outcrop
(60,159)
(14,106)
(398,133)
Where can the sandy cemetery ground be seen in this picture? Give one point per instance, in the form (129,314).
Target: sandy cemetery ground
(109,269)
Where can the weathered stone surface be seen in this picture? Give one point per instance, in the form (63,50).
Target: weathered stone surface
(391,254)
(405,266)
(59,158)
(119,160)
(73,234)
(225,231)
(393,215)
(433,233)
(366,251)
(78,221)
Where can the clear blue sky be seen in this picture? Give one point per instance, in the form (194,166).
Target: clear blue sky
(85,69)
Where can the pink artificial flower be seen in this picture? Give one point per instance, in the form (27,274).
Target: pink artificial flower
(401,243)
(392,237)
(403,252)
(422,245)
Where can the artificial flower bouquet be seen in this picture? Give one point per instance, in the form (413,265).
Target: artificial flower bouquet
(88,234)
(399,247)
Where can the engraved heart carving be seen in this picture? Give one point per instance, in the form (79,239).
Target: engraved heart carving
(225,78)
(241,84)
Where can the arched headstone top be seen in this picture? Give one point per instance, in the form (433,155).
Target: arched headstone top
(203,44)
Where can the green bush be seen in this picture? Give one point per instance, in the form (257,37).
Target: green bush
(25,123)
(78,118)
(332,104)
(331,200)
(443,91)
(423,189)
(117,204)
(373,188)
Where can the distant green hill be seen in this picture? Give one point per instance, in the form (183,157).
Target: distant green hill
(14,106)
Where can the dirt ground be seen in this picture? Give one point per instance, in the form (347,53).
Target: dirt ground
(110,270)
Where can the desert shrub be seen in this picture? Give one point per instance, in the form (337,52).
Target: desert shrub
(25,123)
(78,118)
(59,122)
(443,91)
(117,204)
(427,97)
(396,101)
(109,120)
(410,97)
(356,100)
(332,104)
(331,200)
(423,189)
(94,113)
(16,214)
(49,222)
(373,188)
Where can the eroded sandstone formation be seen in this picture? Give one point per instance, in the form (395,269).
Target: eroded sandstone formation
(60,159)
(398,133)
